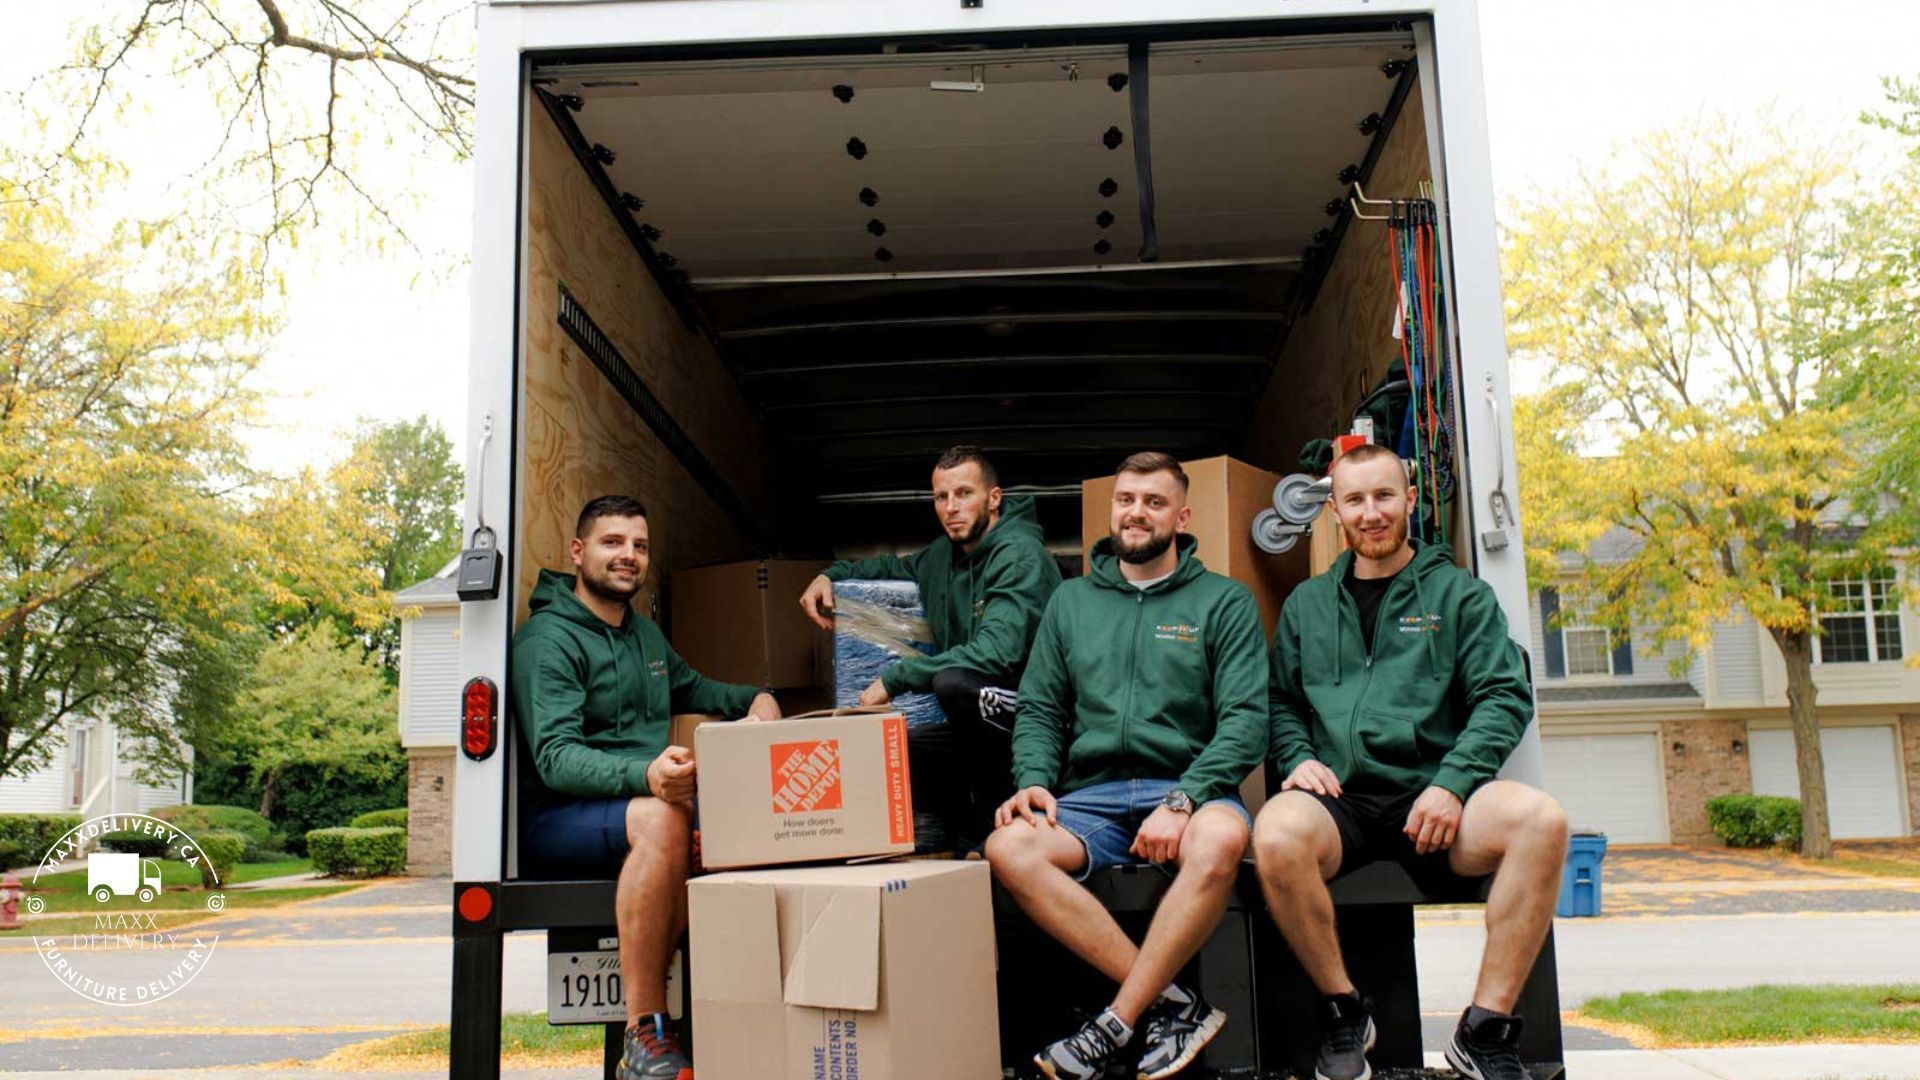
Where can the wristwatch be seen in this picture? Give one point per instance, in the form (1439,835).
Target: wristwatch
(1178,801)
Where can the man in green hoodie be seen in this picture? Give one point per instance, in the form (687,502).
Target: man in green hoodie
(1396,695)
(983,584)
(1143,707)
(595,687)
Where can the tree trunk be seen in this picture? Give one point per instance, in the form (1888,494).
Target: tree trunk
(1816,839)
(266,795)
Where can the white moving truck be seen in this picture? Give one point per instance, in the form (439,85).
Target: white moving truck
(760,261)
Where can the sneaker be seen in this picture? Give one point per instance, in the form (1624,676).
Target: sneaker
(1486,1046)
(1086,1054)
(652,1053)
(1175,1033)
(1346,1034)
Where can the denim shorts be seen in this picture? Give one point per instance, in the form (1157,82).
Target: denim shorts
(576,838)
(1106,817)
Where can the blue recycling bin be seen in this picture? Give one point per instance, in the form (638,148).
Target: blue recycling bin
(1580,878)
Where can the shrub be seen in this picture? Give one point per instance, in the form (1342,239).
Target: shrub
(221,852)
(144,844)
(1751,821)
(380,819)
(194,818)
(358,852)
(310,796)
(25,838)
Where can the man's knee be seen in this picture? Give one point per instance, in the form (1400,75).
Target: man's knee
(1018,851)
(956,688)
(1289,838)
(1517,810)
(655,824)
(1213,846)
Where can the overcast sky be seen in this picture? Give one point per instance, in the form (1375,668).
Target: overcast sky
(1565,82)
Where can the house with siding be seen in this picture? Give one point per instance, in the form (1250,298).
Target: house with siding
(429,716)
(1635,748)
(93,770)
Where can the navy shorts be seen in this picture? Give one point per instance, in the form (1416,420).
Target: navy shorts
(576,838)
(1106,817)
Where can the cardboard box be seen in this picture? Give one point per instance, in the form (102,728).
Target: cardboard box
(821,786)
(742,623)
(877,972)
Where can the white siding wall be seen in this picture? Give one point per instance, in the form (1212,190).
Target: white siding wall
(1736,664)
(1648,667)
(430,678)
(43,791)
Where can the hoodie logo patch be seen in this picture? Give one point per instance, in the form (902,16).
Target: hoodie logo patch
(1180,632)
(1419,624)
(657,668)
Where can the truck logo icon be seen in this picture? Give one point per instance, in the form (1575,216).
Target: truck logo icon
(111,874)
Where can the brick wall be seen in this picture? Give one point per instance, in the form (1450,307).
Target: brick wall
(1910,744)
(430,810)
(1708,766)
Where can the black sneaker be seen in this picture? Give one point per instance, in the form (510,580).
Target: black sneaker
(1175,1033)
(1086,1054)
(1346,1034)
(652,1053)
(1486,1046)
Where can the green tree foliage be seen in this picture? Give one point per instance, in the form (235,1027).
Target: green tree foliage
(137,549)
(312,702)
(404,473)
(1698,394)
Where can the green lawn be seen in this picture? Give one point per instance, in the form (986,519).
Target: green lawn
(261,871)
(1768,1014)
(171,909)
(522,1036)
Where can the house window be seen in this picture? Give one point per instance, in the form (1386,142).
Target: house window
(1859,621)
(1587,650)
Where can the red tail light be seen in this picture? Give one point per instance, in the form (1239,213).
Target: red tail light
(479,717)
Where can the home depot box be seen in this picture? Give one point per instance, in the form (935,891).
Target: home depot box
(742,623)
(875,972)
(818,786)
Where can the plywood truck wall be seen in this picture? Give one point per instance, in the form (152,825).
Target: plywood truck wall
(1340,347)
(581,437)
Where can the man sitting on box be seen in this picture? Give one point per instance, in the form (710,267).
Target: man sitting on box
(983,585)
(1143,707)
(1396,696)
(595,687)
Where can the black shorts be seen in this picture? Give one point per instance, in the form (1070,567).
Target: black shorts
(1372,829)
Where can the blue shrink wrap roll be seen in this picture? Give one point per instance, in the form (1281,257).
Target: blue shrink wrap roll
(874,624)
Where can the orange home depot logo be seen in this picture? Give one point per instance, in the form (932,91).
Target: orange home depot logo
(806,776)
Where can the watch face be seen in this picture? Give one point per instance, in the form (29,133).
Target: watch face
(1178,800)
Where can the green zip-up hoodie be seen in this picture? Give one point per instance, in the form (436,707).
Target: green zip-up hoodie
(1441,701)
(1126,684)
(983,605)
(596,702)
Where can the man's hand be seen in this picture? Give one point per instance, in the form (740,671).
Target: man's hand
(1312,776)
(1025,803)
(875,694)
(1434,821)
(763,708)
(1159,837)
(670,777)
(817,602)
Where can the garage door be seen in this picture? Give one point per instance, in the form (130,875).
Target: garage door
(1610,783)
(1863,777)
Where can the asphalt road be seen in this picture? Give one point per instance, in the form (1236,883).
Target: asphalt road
(297,982)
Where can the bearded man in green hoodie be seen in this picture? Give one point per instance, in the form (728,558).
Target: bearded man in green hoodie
(983,584)
(595,687)
(1143,707)
(1396,695)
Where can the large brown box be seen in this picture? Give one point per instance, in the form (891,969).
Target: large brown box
(742,623)
(877,972)
(817,786)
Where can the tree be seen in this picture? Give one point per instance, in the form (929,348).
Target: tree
(405,474)
(136,547)
(308,93)
(1697,395)
(313,702)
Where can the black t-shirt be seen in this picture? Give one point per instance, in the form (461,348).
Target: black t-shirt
(1366,593)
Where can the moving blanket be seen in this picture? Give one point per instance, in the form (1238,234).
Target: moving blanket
(875,623)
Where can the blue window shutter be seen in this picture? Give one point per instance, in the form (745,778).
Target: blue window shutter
(1556,648)
(1623,657)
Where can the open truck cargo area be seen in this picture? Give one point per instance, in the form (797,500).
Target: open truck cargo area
(760,262)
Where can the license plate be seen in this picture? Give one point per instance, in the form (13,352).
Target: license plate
(583,987)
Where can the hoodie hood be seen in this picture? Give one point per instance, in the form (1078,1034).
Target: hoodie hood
(553,595)
(1105,570)
(1018,520)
